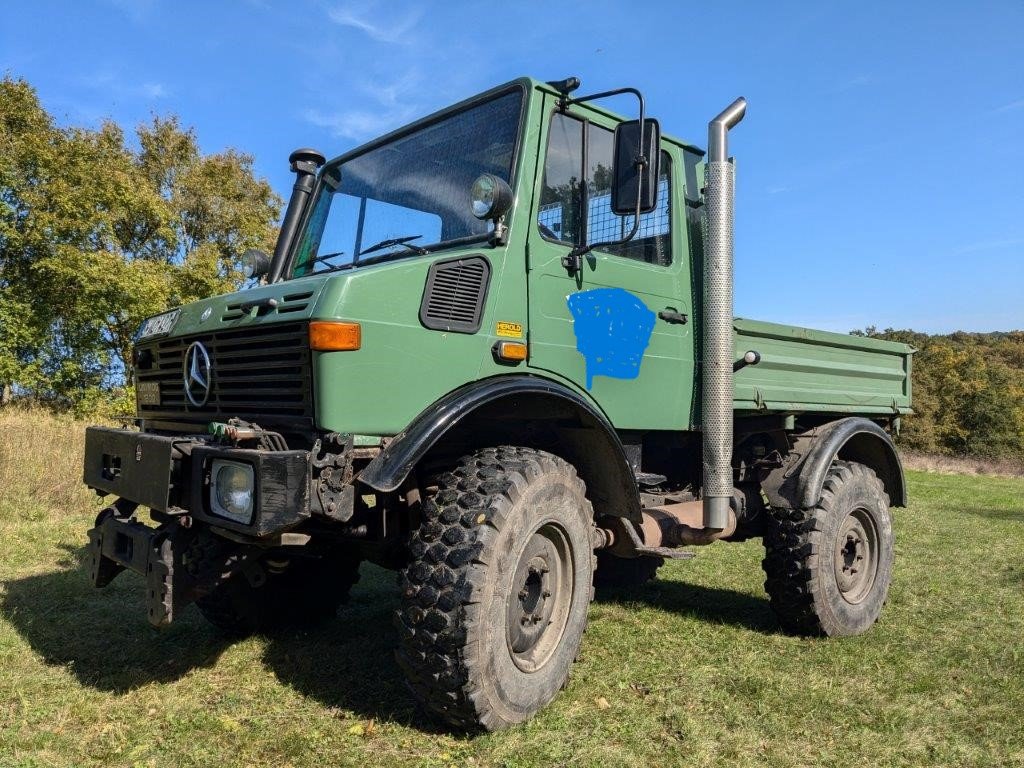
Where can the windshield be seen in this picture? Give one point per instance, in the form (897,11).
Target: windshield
(410,195)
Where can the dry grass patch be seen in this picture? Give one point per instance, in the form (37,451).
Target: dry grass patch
(963,465)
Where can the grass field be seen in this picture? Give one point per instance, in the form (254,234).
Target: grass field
(689,671)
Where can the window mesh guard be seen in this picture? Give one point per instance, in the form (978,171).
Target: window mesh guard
(604,225)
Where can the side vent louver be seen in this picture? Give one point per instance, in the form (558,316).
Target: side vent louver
(453,299)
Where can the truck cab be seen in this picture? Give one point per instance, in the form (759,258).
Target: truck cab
(495,350)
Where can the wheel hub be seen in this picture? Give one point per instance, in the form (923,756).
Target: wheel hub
(855,559)
(541,592)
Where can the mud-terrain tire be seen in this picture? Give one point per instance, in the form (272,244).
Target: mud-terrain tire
(308,592)
(828,568)
(624,572)
(495,596)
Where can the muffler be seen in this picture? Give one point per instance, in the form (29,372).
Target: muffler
(717,364)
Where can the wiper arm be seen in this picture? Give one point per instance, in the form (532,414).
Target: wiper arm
(405,241)
(324,257)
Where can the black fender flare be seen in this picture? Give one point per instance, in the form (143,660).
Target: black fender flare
(603,464)
(798,483)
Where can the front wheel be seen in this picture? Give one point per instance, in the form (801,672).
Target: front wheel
(828,568)
(495,597)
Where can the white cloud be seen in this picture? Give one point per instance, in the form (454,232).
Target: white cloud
(393,103)
(119,87)
(989,245)
(153,90)
(390,28)
(854,82)
(358,124)
(1012,106)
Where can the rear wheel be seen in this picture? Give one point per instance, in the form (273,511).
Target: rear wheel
(828,568)
(295,592)
(495,597)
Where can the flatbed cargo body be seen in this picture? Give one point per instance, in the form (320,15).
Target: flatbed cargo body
(801,369)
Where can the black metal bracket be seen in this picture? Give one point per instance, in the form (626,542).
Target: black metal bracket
(673,316)
(262,306)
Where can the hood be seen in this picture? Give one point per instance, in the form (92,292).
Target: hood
(285,301)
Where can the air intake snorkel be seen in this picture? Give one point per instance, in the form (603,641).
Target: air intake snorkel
(304,163)
(717,368)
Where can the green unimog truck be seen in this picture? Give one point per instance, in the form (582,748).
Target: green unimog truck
(495,351)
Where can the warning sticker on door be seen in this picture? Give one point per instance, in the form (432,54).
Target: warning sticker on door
(510,330)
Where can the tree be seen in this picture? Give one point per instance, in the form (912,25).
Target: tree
(98,232)
(968,393)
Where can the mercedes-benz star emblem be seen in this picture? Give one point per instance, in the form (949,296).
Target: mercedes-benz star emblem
(196,372)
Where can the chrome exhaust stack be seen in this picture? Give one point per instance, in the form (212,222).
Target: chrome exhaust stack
(717,367)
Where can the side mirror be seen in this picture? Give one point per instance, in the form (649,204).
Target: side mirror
(634,185)
(255,263)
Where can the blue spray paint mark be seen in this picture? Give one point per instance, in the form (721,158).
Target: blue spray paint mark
(613,328)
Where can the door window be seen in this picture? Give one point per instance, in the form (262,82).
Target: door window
(578,177)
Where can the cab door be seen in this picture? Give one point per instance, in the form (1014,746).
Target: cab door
(621,327)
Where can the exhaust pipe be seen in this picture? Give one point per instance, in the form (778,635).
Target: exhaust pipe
(716,371)
(304,163)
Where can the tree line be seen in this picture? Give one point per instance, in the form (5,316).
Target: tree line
(968,393)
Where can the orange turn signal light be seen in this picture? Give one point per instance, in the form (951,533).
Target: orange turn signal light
(334,336)
(510,350)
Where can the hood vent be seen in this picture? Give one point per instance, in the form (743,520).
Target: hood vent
(286,305)
(453,299)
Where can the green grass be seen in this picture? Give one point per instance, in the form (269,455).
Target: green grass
(691,670)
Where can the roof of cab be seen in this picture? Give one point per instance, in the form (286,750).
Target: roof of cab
(526,83)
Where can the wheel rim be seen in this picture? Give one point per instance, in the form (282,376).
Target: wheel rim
(542,590)
(856,556)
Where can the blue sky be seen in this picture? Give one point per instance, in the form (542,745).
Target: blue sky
(880,167)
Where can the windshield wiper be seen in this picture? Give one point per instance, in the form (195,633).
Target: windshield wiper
(325,257)
(403,241)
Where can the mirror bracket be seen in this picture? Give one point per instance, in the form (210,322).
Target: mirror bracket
(573,261)
(499,235)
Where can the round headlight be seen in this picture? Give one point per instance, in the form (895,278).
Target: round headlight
(255,263)
(233,491)
(491,197)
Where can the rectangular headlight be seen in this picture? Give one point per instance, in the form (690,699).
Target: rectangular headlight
(232,490)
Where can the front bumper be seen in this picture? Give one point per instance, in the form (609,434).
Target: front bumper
(171,475)
(179,559)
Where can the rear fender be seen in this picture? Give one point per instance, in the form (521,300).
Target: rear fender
(798,483)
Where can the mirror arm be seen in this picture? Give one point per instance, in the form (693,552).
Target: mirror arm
(573,261)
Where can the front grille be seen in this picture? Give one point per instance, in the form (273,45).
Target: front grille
(256,372)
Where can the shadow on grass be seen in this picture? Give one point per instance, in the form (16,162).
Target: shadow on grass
(1010,515)
(711,604)
(101,635)
(103,638)
(350,662)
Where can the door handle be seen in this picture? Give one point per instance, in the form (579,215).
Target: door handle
(670,315)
